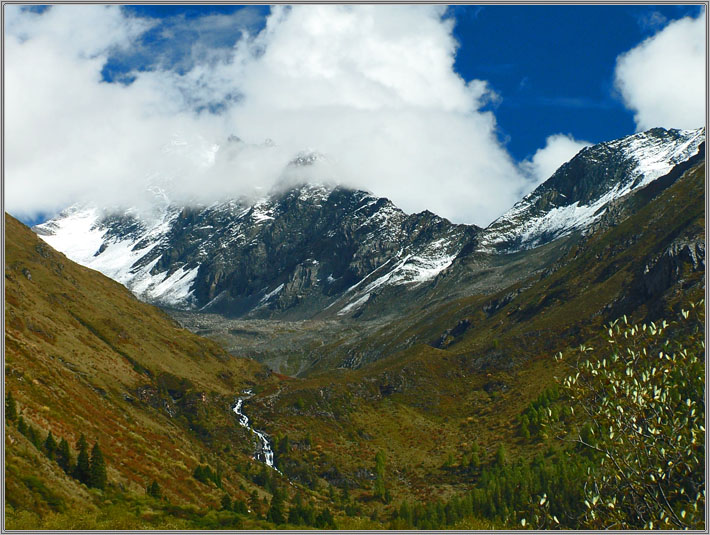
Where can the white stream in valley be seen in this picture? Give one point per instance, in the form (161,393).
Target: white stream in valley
(266,455)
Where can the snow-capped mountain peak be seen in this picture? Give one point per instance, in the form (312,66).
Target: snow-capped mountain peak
(312,247)
(577,194)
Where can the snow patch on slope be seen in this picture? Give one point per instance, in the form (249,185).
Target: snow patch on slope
(653,156)
(412,271)
(80,235)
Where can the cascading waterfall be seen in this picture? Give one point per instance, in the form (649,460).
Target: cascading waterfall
(266,450)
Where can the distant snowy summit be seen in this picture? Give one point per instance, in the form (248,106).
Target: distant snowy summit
(580,191)
(314,250)
(309,249)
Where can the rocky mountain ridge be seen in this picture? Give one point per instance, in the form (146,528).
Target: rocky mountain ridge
(580,191)
(316,250)
(310,248)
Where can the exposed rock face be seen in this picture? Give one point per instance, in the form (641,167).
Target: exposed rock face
(326,251)
(294,253)
(581,190)
(681,256)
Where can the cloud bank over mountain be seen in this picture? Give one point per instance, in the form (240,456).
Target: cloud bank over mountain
(663,78)
(558,149)
(371,88)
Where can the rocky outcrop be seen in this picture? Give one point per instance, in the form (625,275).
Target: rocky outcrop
(292,254)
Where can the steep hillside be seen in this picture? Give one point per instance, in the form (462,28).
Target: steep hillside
(428,407)
(419,420)
(84,356)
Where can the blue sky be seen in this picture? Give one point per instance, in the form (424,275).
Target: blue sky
(461,110)
(553,66)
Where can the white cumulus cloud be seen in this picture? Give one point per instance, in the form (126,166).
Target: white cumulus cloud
(558,149)
(373,88)
(663,79)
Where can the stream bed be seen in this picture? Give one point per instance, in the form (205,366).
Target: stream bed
(265,453)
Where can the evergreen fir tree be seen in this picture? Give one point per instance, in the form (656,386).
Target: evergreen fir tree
(380,475)
(254,503)
(33,435)
(199,474)
(22,426)
(226,503)
(50,446)
(82,471)
(10,408)
(97,468)
(500,456)
(154,490)
(239,507)
(64,456)
(276,512)
(325,519)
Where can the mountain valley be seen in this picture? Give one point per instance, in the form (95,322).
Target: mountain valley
(402,367)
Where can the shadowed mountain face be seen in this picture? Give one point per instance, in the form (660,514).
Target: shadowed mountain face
(292,254)
(317,251)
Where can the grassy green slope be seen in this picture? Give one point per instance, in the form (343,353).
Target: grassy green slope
(82,355)
(425,406)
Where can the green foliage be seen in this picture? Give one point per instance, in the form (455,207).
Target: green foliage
(541,410)
(97,468)
(238,506)
(204,474)
(300,514)
(154,490)
(10,408)
(379,486)
(226,503)
(50,446)
(643,399)
(38,488)
(63,456)
(82,470)
(505,494)
(21,425)
(283,446)
(276,512)
(501,456)
(325,520)
(255,503)
(34,436)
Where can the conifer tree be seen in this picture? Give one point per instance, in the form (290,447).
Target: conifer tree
(238,506)
(82,471)
(97,468)
(154,490)
(10,408)
(380,475)
(50,446)
(276,512)
(64,456)
(226,503)
(22,426)
(33,435)
(325,519)
(199,474)
(500,456)
(254,503)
